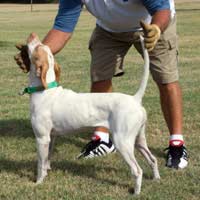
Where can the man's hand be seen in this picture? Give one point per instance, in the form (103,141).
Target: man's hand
(151,35)
(22,58)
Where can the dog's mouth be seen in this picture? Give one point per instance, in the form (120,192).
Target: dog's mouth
(32,42)
(32,37)
(32,46)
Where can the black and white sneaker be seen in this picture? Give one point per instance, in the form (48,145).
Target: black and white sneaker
(96,148)
(177,157)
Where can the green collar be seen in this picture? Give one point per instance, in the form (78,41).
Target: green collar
(30,90)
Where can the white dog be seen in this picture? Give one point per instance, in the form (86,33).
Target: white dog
(58,111)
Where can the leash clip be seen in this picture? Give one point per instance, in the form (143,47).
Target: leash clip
(21,92)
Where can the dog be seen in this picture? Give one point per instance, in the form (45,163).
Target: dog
(58,111)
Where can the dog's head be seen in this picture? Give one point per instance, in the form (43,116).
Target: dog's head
(41,59)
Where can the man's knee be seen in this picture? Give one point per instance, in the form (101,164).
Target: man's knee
(169,88)
(102,86)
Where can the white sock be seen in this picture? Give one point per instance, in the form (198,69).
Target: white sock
(176,140)
(101,135)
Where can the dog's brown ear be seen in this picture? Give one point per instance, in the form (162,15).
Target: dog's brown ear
(57,71)
(40,59)
(44,68)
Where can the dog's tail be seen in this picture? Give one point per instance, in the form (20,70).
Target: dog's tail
(140,93)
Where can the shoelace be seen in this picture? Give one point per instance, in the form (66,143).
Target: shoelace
(185,154)
(91,146)
(177,152)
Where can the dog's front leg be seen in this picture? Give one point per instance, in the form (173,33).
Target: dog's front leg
(51,147)
(43,150)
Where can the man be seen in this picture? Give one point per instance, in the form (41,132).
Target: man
(118,27)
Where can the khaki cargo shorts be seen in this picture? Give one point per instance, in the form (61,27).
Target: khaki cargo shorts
(108,50)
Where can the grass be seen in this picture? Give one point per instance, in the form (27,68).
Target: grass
(104,178)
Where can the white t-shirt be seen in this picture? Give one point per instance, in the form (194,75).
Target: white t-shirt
(120,15)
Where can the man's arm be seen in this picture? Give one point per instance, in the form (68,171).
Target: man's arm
(161,19)
(160,12)
(56,40)
(65,22)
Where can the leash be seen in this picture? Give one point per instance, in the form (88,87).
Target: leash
(30,90)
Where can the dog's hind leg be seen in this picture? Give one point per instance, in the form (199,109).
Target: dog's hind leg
(126,147)
(141,145)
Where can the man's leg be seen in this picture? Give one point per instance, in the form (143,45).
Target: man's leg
(102,86)
(171,104)
(164,69)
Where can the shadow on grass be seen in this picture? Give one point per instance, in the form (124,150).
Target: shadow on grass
(89,170)
(6,44)
(158,152)
(16,128)
(27,169)
(22,128)
(20,168)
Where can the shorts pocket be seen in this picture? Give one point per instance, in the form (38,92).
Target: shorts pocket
(172,42)
(173,46)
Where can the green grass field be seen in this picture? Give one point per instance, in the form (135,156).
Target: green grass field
(102,178)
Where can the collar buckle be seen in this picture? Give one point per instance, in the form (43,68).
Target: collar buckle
(21,92)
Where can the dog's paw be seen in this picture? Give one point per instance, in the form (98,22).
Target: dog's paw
(156,177)
(39,181)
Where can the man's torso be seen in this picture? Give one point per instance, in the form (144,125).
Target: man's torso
(120,15)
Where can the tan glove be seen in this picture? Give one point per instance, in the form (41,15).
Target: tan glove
(151,35)
(22,58)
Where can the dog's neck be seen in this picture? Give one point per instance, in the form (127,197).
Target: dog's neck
(35,81)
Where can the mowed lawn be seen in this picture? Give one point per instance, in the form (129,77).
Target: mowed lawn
(102,178)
